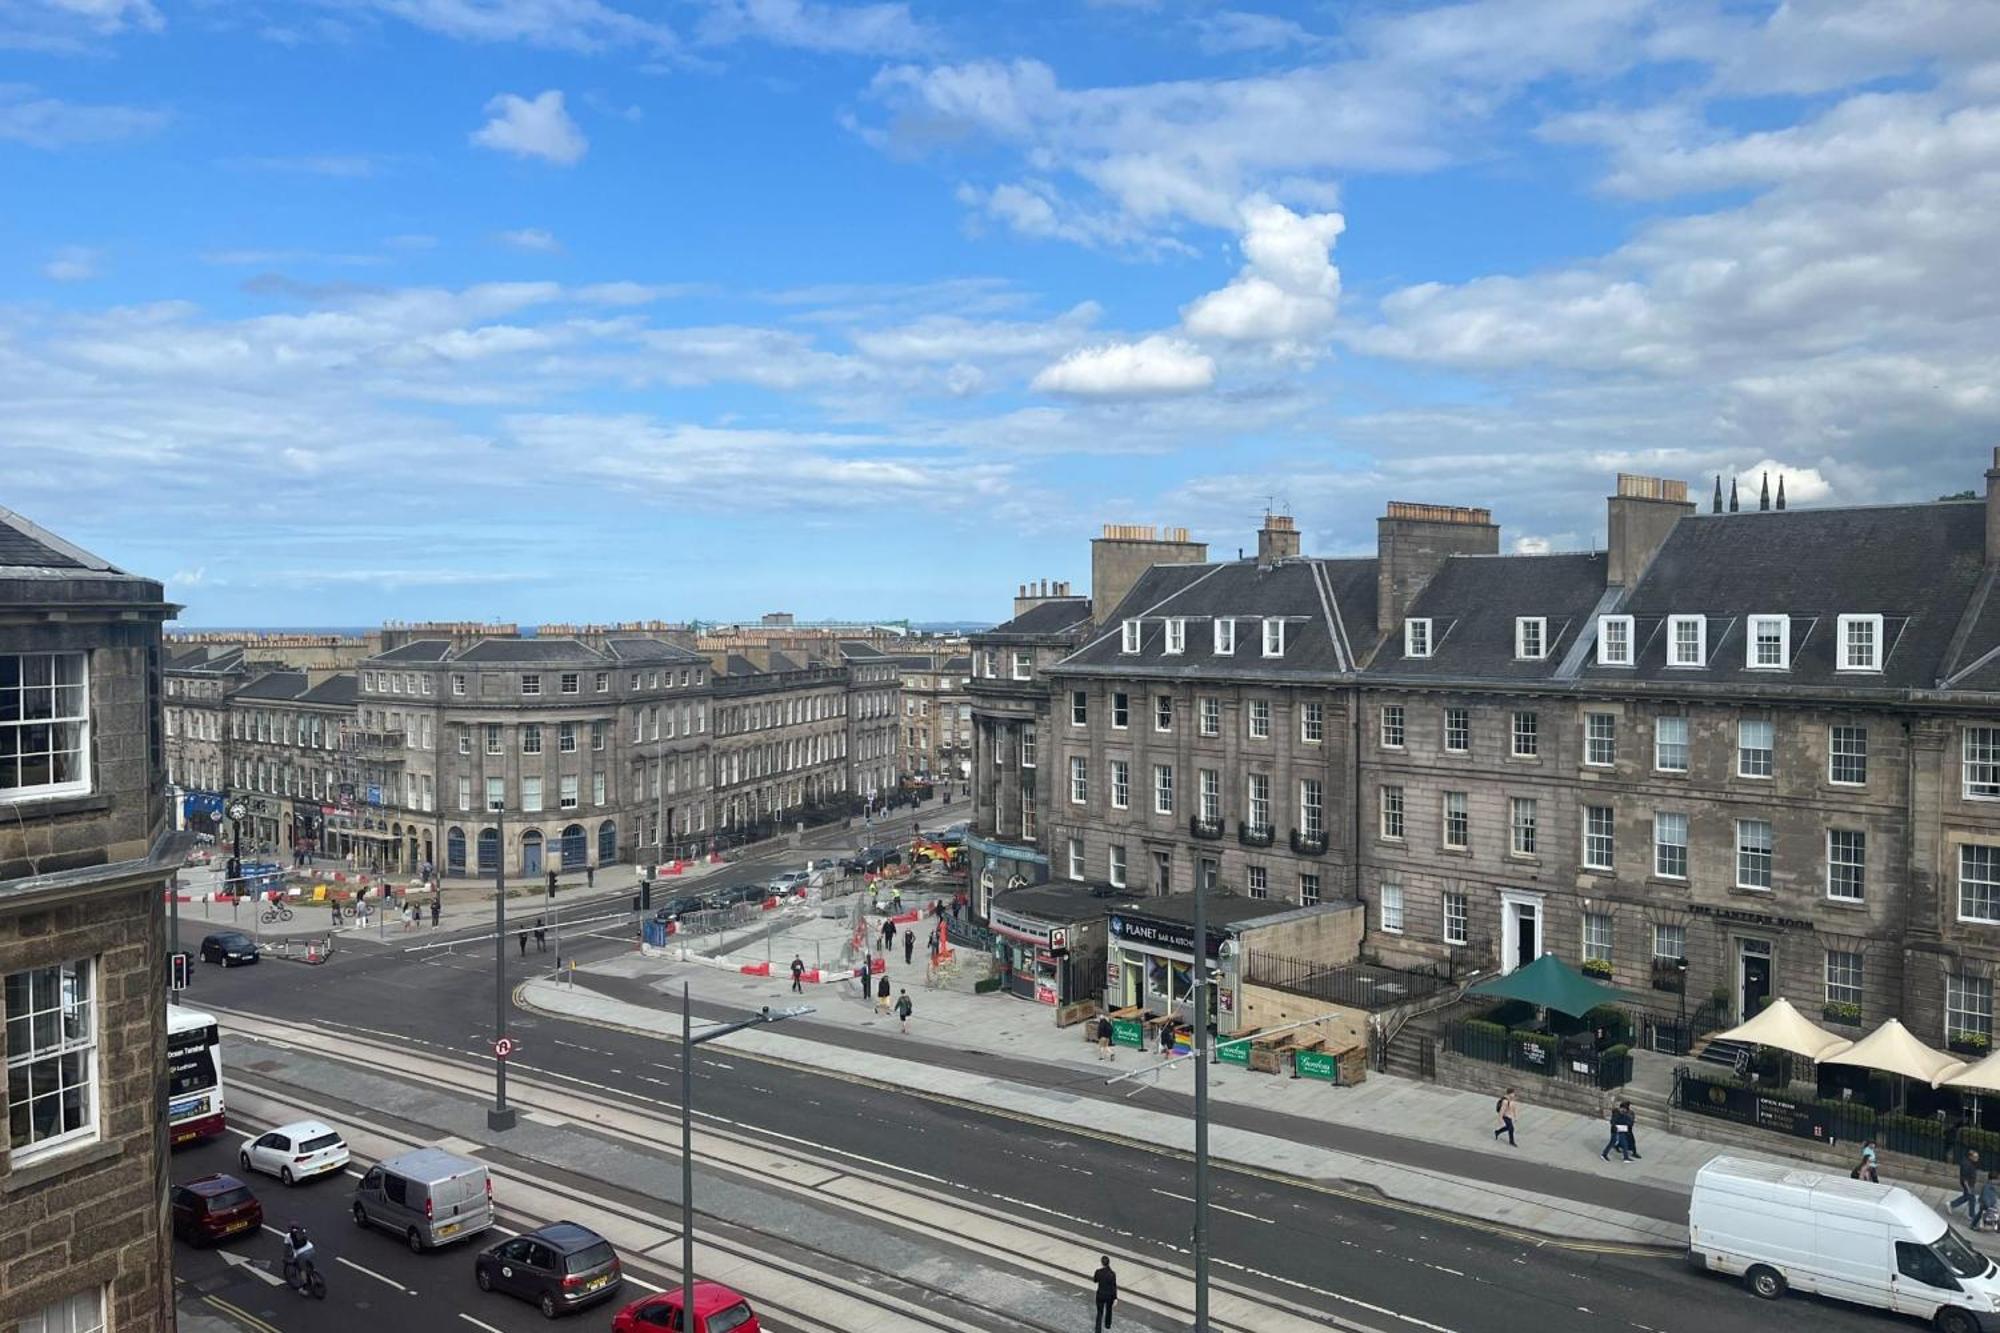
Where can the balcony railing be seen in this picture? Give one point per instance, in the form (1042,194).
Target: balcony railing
(1205,828)
(1309,844)
(382,746)
(1254,835)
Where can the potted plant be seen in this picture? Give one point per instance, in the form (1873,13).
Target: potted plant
(1838,1011)
(1970,1043)
(1597,967)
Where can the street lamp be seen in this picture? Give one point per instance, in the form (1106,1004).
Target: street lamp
(1681,1028)
(501,1116)
(688,1042)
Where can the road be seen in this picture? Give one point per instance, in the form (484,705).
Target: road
(1367,1264)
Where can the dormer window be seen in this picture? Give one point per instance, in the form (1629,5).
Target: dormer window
(1225,637)
(1860,640)
(1531,638)
(1274,637)
(1687,641)
(1770,644)
(1614,641)
(1176,635)
(1416,638)
(1131,640)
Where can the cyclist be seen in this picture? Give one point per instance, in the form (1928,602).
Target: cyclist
(298,1257)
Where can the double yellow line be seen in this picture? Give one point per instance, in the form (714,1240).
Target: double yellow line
(240,1315)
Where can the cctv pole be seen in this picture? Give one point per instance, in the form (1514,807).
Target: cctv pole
(501,1116)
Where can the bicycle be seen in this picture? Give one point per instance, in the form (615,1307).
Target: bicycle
(303,1277)
(275,912)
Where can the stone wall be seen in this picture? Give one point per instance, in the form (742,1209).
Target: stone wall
(1266,1007)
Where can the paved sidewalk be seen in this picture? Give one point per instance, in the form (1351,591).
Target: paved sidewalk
(1414,1142)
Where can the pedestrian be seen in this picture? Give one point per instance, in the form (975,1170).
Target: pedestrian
(541,936)
(889,935)
(1631,1130)
(1104,1035)
(1617,1139)
(1107,1292)
(1166,1039)
(882,994)
(524,941)
(903,1008)
(1871,1171)
(1505,1108)
(867,967)
(1989,1202)
(936,944)
(909,947)
(590,876)
(1968,1183)
(437,909)
(956,904)
(334,903)
(798,975)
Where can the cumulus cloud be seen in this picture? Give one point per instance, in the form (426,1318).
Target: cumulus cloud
(866,30)
(51,123)
(530,238)
(1803,485)
(1152,367)
(568,25)
(72,263)
(1288,290)
(539,128)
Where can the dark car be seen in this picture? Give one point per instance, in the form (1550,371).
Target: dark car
(213,1209)
(871,859)
(562,1266)
(228,947)
(673,909)
(733,894)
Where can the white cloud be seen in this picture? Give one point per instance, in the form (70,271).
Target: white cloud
(72,263)
(1151,367)
(1230,31)
(1803,485)
(538,128)
(530,238)
(343,166)
(110,16)
(570,25)
(867,29)
(51,123)
(1288,290)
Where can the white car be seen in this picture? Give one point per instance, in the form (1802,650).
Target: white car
(295,1152)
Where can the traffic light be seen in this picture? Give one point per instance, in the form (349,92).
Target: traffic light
(179,970)
(645,895)
(235,869)
(552,884)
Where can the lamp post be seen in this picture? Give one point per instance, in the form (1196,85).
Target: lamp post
(688,1042)
(1681,1028)
(501,1116)
(1199,999)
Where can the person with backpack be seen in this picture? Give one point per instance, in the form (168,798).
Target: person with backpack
(1505,1108)
(903,1008)
(1104,1036)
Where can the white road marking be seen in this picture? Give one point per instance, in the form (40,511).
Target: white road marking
(477,1323)
(372,1273)
(254,1268)
(1220,1208)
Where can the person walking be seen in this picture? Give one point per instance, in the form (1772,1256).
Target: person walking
(1631,1129)
(541,936)
(798,975)
(889,935)
(1104,1035)
(903,1008)
(1505,1108)
(524,941)
(882,994)
(590,876)
(1968,1183)
(1871,1170)
(867,968)
(1107,1292)
(909,947)
(437,909)
(1617,1139)
(1989,1202)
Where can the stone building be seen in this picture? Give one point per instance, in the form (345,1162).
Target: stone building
(1734,754)
(86,847)
(781,741)
(286,758)
(199,681)
(937,711)
(874,724)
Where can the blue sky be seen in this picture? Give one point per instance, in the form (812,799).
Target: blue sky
(330,311)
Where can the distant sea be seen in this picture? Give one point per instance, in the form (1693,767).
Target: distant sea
(926,626)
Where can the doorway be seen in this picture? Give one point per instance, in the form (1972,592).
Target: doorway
(1753,969)
(1520,930)
(531,853)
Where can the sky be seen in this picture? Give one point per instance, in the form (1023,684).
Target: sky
(327,312)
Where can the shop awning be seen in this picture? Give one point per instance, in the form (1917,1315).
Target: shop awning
(1783,1028)
(1550,983)
(1981,1077)
(1891,1049)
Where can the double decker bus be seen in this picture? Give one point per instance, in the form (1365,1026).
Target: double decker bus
(194,1076)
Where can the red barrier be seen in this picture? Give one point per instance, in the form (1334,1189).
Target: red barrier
(756,969)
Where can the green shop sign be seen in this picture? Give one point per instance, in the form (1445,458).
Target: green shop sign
(1128,1032)
(1235,1053)
(1316,1064)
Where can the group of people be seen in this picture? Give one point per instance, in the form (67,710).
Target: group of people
(1982,1202)
(409,909)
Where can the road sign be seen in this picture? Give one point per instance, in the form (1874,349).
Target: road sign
(503,1047)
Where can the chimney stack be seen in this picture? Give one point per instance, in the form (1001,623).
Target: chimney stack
(1128,550)
(1638,519)
(1277,540)
(1412,543)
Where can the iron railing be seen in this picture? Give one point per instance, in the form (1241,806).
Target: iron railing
(1309,844)
(1357,985)
(1254,835)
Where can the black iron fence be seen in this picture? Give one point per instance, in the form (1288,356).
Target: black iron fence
(1800,1111)
(1357,985)
(1541,1053)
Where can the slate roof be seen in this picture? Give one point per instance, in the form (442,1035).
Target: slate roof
(417,650)
(855,650)
(273,685)
(1066,901)
(1472,603)
(1918,566)
(1220,910)
(1051,617)
(961,664)
(738,665)
(207,657)
(335,691)
(26,545)
(1298,591)
(650,650)
(530,652)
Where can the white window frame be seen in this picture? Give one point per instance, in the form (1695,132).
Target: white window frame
(1674,654)
(1390,907)
(1531,638)
(1661,745)
(1074,857)
(1966,851)
(1211,794)
(1312,722)
(1163,713)
(1024,663)
(1981,775)
(1769,851)
(1606,654)
(1665,824)
(1312,807)
(1121,710)
(1662,933)
(1853,977)
(1859,868)
(1257,719)
(1844,657)
(1743,750)
(1753,641)
(1463,716)
(1401,729)
(79,1312)
(1209,715)
(1959,989)
(1079,780)
(1594,949)
(1114,864)
(1131,636)
(1274,636)
(1524,825)
(1609,838)
(1834,754)
(1418,640)
(1257,879)
(1257,799)
(1533,731)
(531,685)
(1176,635)
(1120,778)
(1079,708)
(1590,741)
(1225,636)
(1391,811)
(1309,888)
(33,719)
(1457,918)
(1456,819)
(84,1043)
(1163,789)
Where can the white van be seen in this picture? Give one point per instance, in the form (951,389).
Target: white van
(1787,1227)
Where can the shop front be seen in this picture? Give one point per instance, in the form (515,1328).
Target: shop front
(1149,964)
(1049,940)
(201,811)
(997,867)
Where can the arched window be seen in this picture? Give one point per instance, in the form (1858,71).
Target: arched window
(607,842)
(454,852)
(489,850)
(575,847)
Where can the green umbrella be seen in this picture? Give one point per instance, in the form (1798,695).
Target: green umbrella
(1550,983)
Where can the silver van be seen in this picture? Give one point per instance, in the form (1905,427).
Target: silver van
(429,1197)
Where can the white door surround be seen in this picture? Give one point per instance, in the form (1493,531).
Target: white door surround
(1523,928)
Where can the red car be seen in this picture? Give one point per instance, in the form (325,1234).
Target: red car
(214,1209)
(717,1309)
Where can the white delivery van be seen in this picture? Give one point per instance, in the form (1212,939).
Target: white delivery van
(1785,1227)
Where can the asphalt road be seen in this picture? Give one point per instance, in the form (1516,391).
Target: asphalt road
(1376,1264)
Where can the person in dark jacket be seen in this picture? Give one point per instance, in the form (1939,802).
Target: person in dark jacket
(1104,1036)
(798,975)
(909,947)
(882,995)
(1107,1292)
(867,966)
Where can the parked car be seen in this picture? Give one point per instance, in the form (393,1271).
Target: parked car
(788,882)
(295,1152)
(428,1196)
(229,948)
(560,1267)
(214,1209)
(678,906)
(732,894)
(717,1309)
(954,834)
